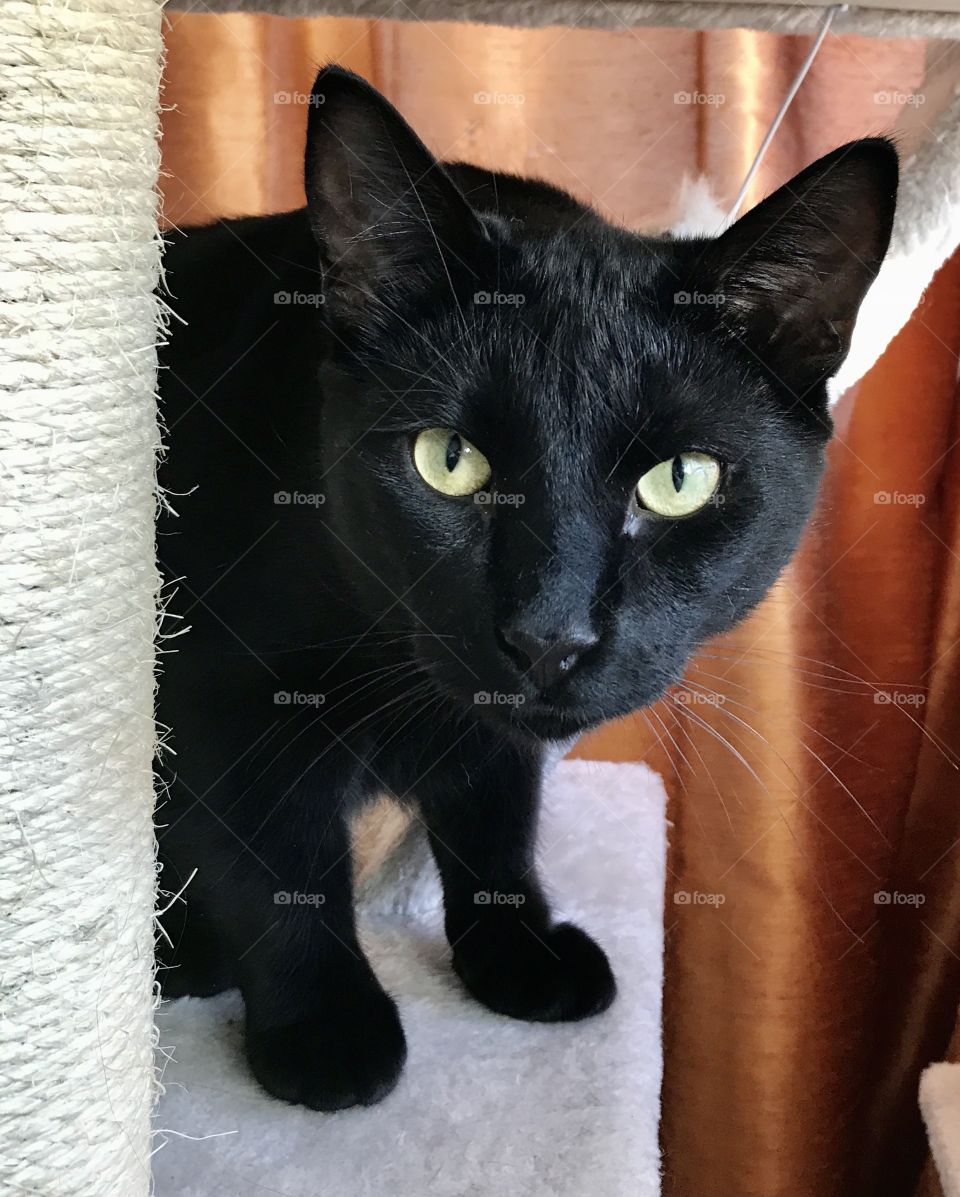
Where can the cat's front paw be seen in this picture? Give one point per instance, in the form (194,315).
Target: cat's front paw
(332,1059)
(551,974)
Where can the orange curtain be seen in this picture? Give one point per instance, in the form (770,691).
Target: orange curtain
(812,759)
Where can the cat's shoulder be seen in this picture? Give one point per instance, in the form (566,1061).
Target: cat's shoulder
(241,236)
(227,281)
(235,257)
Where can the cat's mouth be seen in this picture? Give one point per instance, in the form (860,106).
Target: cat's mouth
(533,717)
(546,722)
(542,721)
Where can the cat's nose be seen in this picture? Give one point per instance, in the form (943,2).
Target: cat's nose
(546,659)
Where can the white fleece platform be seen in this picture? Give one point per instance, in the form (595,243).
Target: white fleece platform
(487,1107)
(940,1104)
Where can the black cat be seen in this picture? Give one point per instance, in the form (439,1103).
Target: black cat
(458,468)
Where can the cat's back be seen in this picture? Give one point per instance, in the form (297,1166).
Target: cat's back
(238,396)
(225,284)
(240,356)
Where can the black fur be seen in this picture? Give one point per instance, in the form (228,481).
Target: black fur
(383,607)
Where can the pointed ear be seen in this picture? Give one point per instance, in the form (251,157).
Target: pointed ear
(794,270)
(380,205)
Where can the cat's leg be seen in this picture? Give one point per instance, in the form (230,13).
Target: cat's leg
(320,1028)
(481,812)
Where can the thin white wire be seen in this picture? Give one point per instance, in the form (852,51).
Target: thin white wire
(825,24)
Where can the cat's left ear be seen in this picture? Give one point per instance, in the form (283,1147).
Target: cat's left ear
(381,207)
(793,271)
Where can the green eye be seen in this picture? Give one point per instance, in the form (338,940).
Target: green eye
(680,485)
(449,463)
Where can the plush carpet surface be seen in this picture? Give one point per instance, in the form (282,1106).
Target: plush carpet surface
(487,1107)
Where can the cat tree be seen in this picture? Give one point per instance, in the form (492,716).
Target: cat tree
(78,590)
(79,259)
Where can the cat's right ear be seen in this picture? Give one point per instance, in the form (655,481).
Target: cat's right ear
(381,206)
(792,273)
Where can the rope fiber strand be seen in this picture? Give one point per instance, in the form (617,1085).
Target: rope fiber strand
(79,257)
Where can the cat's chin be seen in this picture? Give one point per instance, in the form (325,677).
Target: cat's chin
(547,723)
(517,715)
(538,720)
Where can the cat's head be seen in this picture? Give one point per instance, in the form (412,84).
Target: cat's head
(562,453)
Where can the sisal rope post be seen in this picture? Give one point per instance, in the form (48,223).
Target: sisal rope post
(78,435)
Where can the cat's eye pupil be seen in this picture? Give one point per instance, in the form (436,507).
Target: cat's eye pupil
(449,462)
(679,485)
